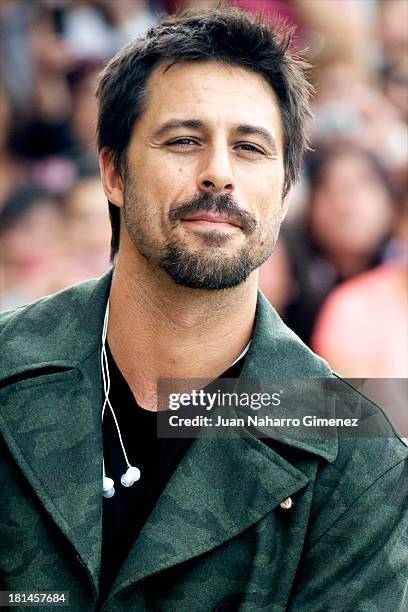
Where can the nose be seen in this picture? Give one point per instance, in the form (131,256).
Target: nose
(215,174)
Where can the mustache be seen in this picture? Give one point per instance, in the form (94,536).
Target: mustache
(222,204)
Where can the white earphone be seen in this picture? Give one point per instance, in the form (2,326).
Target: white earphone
(132,473)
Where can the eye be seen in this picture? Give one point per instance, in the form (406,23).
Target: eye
(182,142)
(250,148)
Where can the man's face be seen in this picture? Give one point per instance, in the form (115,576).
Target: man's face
(204,174)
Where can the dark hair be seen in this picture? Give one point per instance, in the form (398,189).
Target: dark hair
(22,202)
(318,162)
(226,35)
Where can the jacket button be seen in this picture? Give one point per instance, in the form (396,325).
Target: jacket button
(287,503)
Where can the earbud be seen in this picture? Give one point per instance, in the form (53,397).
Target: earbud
(108,488)
(131,475)
(129,478)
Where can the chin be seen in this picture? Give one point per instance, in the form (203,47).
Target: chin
(213,271)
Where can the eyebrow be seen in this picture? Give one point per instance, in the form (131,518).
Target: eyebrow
(173,124)
(254,130)
(197,124)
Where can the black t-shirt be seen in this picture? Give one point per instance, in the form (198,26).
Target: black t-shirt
(125,513)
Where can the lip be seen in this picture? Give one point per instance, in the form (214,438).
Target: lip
(206,218)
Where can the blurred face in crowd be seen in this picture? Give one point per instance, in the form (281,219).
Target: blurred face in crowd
(202,191)
(34,239)
(46,46)
(351,209)
(87,219)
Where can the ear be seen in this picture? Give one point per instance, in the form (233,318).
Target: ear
(111,179)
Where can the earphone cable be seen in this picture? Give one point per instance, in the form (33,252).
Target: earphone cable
(107,384)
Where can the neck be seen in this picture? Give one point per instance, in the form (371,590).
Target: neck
(349,264)
(158,329)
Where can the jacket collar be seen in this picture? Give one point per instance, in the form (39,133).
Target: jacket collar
(52,388)
(74,320)
(277,358)
(60,331)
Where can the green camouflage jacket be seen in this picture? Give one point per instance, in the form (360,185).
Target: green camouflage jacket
(218,538)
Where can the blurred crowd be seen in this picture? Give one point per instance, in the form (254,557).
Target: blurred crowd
(338,276)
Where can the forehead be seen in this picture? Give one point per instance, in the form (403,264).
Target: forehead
(351,163)
(220,94)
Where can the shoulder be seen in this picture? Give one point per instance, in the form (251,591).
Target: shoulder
(53,330)
(49,305)
(371,463)
(362,294)
(277,352)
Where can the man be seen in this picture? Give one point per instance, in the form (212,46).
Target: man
(201,129)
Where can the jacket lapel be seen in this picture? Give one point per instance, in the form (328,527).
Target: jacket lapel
(51,424)
(51,398)
(221,487)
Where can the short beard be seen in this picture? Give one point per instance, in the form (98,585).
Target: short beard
(191,268)
(199,271)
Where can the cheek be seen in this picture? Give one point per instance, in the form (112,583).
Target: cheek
(266,191)
(320,213)
(380,209)
(169,180)
(267,203)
